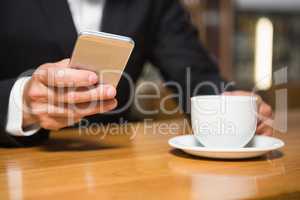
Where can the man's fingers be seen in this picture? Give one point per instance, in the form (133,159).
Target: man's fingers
(83,95)
(265,112)
(56,76)
(87,109)
(68,77)
(53,95)
(264,129)
(57,123)
(55,118)
(83,109)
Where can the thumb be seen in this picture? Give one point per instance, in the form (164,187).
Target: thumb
(63,63)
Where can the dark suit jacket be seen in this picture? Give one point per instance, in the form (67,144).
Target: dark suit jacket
(34,32)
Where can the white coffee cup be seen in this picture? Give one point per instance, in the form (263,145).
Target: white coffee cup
(224,121)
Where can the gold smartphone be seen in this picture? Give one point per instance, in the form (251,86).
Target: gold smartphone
(104,53)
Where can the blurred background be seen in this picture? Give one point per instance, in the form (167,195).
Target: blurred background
(251,39)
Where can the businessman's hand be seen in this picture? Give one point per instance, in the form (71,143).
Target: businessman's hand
(58,96)
(264,113)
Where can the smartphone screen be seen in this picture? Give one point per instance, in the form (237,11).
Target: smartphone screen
(104,53)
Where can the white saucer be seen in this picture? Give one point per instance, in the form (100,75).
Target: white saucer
(259,146)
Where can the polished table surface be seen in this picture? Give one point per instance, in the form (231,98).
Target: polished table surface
(122,165)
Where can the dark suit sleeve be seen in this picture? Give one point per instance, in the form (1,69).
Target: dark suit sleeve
(176,50)
(7,140)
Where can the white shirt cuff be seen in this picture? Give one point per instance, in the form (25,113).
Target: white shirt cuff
(15,111)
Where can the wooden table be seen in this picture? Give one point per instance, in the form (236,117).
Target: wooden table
(122,165)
